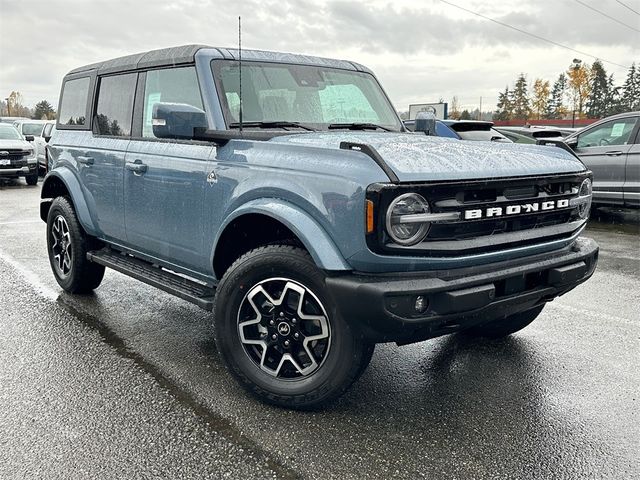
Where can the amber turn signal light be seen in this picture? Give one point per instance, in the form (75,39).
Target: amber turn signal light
(369,216)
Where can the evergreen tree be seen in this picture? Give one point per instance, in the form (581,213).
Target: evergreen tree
(555,107)
(44,111)
(630,99)
(504,108)
(598,102)
(520,98)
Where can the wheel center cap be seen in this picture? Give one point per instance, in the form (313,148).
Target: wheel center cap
(284,329)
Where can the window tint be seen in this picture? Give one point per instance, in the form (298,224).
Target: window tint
(115,105)
(614,132)
(175,85)
(73,108)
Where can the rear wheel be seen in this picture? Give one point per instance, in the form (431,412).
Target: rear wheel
(68,244)
(280,333)
(505,326)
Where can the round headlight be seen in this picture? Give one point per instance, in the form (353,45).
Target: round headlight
(585,191)
(407,233)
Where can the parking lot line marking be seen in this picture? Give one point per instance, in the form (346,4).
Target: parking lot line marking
(31,278)
(20,222)
(584,311)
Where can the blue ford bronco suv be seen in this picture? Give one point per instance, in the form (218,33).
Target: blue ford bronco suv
(283,193)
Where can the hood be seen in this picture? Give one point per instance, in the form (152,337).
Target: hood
(23,144)
(415,157)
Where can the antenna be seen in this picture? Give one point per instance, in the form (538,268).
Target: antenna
(240,65)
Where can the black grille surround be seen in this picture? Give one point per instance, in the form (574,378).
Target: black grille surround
(485,235)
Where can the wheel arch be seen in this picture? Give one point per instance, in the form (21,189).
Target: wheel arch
(62,182)
(289,223)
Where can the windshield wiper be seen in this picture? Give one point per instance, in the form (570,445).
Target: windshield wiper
(274,124)
(357,126)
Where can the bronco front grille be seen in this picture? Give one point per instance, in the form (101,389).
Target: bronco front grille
(483,224)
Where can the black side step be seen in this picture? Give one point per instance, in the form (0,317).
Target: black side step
(194,292)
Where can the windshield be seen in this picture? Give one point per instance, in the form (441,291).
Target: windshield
(7,132)
(317,97)
(32,129)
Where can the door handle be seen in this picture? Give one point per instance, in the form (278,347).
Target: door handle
(137,167)
(85,160)
(613,153)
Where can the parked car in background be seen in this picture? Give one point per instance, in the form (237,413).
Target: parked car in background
(476,130)
(10,120)
(40,144)
(30,127)
(441,129)
(17,155)
(515,136)
(610,148)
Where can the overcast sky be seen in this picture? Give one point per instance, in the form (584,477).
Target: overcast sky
(421,50)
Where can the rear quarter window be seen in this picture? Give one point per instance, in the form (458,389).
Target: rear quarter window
(73,105)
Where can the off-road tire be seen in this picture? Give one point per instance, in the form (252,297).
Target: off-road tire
(505,326)
(348,354)
(83,276)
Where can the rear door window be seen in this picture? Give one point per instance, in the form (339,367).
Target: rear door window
(73,107)
(170,85)
(115,105)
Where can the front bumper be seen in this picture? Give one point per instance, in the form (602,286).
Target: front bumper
(383,306)
(20,171)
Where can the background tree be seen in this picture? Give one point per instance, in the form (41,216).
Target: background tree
(44,111)
(540,97)
(556,107)
(579,85)
(15,106)
(454,111)
(598,103)
(504,107)
(630,98)
(520,98)
(465,115)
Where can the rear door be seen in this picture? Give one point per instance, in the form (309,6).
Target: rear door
(603,149)
(165,180)
(102,164)
(632,179)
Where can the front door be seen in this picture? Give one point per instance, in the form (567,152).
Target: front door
(165,180)
(603,149)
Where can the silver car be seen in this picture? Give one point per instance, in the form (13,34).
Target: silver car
(610,148)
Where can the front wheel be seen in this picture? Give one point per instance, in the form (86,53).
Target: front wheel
(505,326)
(279,332)
(68,244)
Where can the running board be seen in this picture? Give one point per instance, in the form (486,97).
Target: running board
(181,287)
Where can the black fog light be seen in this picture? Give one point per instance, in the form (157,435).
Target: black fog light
(421,304)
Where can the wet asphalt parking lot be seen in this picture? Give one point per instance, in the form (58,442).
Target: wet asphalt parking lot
(127,383)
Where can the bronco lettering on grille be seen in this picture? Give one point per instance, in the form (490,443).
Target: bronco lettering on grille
(517,209)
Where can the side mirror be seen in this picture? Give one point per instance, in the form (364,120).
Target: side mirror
(29,138)
(47,138)
(177,120)
(572,143)
(426,122)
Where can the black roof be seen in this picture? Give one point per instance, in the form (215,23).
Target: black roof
(153,58)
